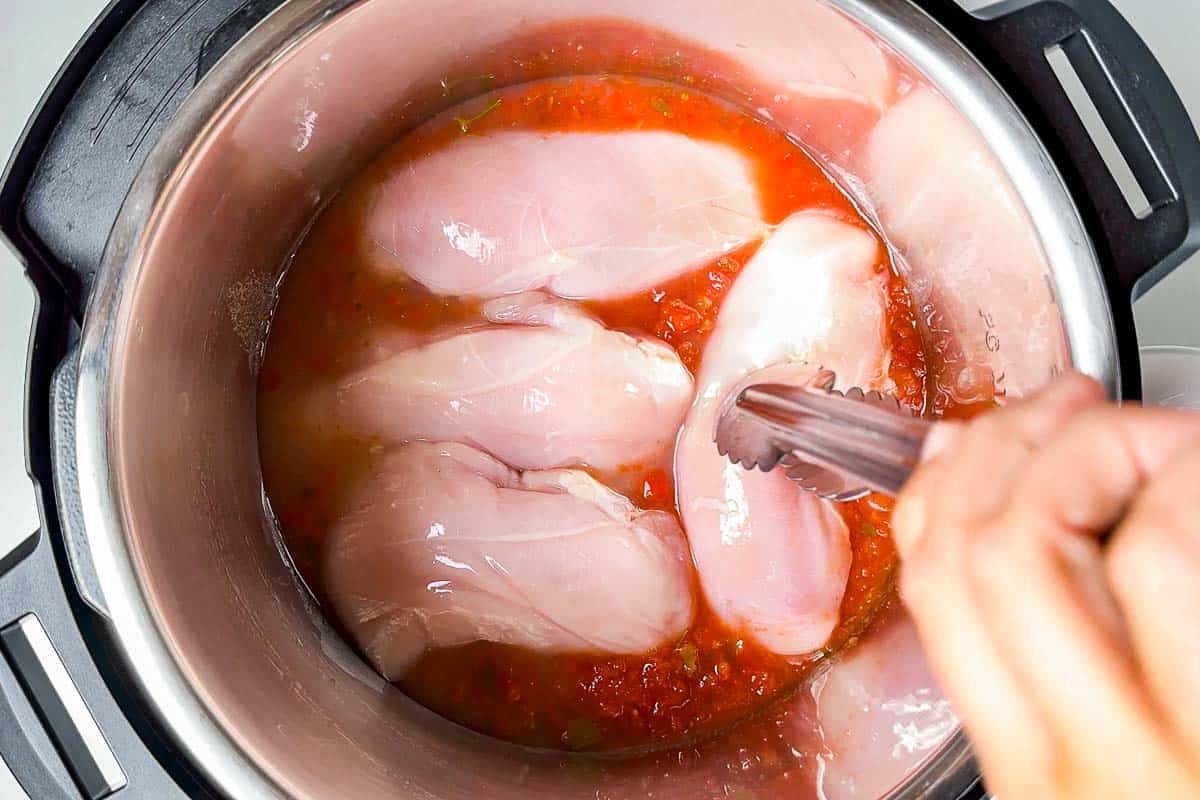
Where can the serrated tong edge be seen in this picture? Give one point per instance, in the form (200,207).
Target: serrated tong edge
(839,445)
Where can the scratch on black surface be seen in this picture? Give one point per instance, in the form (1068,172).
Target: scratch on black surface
(208,38)
(163,102)
(191,68)
(140,67)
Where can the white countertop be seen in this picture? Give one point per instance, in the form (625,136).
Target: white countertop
(36,37)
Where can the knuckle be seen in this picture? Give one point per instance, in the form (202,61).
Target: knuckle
(1140,553)
(1169,503)
(989,555)
(985,554)
(1172,493)
(1078,381)
(988,427)
(1091,423)
(1000,551)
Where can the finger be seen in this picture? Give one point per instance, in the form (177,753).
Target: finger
(978,471)
(965,471)
(911,510)
(1041,595)
(966,488)
(1042,588)
(937,513)
(1082,482)
(970,669)
(1154,569)
(1090,494)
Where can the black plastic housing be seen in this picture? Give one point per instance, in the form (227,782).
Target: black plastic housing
(108,104)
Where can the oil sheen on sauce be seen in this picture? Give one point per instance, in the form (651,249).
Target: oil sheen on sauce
(333,302)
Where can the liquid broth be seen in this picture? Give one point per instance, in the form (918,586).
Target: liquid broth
(335,304)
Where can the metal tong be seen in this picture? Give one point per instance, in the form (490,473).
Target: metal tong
(839,445)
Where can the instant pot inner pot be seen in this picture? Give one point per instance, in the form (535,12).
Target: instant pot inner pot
(273,674)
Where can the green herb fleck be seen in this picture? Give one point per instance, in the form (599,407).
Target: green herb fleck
(869,529)
(661,106)
(690,656)
(742,793)
(581,734)
(465,123)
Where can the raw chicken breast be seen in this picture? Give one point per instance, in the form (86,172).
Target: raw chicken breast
(543,386)
(444,545)
(585,215)
(880,713)
(806,64)
(803,48)
(772,558)
(800,63)
(957,221)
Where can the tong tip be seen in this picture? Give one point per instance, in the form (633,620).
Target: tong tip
(757,426)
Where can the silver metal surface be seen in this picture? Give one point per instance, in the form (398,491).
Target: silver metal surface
(148,654)
(838,445)
(199,601)
(66,479)
(51,690)
(1078,279)
(36,37)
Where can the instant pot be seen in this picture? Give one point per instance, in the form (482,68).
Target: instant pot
(157,644)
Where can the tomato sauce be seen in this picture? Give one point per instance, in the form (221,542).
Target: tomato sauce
(334,305)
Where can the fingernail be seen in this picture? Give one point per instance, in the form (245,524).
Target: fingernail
(941,437)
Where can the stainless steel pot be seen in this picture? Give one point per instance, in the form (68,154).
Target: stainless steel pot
(237,666)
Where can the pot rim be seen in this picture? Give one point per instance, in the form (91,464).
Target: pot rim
(140,642)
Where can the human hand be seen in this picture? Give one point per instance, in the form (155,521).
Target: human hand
(1051,560)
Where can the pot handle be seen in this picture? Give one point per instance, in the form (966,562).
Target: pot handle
(49,734)
(69,727)
(1137,103)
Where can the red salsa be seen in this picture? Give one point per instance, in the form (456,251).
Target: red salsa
(334,303)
